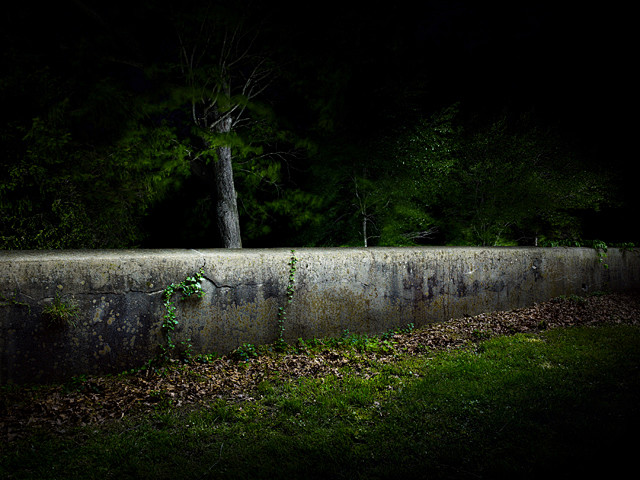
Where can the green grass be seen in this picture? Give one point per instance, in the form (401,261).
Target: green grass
(525,406)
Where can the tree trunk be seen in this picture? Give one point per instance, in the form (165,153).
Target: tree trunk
(227,205)
(364,229)
(227,202)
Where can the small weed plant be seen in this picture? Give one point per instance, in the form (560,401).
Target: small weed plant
(574,298)
(81,384)
(357,342)
(13,301)
(61,313)
(245,352)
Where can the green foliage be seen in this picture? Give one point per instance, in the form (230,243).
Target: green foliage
(361,343)
(505,183)
(282,312)
(61,313)
(204,357)
(365,343)
(520,181)
(85,170)
(262,148)
(60,192)
(599,246)
(60,187)
(490,186)
(574,298)
(190,287)
(406,330)
(13,301)
(430,151)
(369,198)
(269,202)
(331,180)
(384,191)
(81,384)
(245,352)
(100,148)
(625,246)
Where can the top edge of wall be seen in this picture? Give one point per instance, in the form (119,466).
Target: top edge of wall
(26,255)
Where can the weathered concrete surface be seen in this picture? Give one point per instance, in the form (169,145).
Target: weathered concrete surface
(370,290)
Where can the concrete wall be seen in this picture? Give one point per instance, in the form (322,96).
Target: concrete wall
(371,290)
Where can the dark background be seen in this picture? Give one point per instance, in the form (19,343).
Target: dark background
(569,66)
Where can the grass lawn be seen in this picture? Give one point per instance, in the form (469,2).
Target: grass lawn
(533,405)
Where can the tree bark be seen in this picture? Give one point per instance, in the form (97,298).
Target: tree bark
(227,205)
(364,229)
(227,201)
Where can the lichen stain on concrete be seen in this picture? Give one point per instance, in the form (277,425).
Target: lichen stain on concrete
(106,349)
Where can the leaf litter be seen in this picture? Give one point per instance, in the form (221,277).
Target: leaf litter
(91,400)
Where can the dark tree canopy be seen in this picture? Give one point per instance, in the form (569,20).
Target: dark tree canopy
(148,123)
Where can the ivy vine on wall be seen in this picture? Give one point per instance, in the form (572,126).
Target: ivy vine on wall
(190,287)
(282,311)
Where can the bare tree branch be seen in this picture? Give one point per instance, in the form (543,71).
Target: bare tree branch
(423,235)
